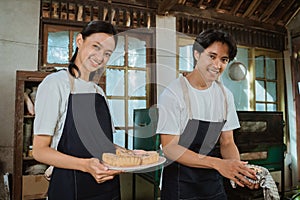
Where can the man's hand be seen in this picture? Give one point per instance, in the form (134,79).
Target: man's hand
(236,170)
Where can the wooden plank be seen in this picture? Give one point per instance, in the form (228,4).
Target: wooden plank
(269,11)
(211,15)
(219,4)
(283,12)
(236,7)
(252,8)
(200,4)
(165,6)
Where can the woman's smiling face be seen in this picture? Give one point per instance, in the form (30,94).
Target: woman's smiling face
(93,52)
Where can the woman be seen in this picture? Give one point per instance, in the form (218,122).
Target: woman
(202,113)
(73,127)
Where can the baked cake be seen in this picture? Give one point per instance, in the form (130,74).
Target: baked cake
(149,157)
(121,161)
(128,158)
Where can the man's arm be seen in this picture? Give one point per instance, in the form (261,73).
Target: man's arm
(231,167)
(228,147)
(178,153)
(229,151)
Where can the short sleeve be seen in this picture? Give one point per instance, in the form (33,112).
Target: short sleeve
(232,118)
(47,106)
(169,110)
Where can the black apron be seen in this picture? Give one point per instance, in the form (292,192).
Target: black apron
(183,182)
(68,184)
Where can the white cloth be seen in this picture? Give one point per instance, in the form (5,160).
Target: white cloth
(269,186)
(207,105)
(266,182)
(52,102)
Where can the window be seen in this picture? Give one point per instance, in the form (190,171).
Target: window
(127,78)
(185,55)
(266,84)
(59,45)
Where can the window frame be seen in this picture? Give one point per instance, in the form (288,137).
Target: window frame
(279,79)
(56,28)
(150,77)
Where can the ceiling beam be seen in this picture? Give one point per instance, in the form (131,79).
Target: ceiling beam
(236,7)
(269,11)
(219,4)
(283,11)
(200,3)
(251,9)
(165,5)
(230,19)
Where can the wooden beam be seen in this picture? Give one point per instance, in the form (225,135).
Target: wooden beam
(224,17)
(236,7)
(269,11)
(282,12)
(165,5)
(181,2)
(219,4)
(200,3)
(254,4)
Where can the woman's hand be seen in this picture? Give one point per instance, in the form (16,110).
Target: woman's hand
(100,172)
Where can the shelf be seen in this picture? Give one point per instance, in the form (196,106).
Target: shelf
(23,186)
(29,116)
(28,158)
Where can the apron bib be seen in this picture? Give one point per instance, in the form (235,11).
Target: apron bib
(76,140)
(183,182)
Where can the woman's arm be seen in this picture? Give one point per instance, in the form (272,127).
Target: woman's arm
(42,152)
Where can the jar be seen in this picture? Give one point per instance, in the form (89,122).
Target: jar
(30,151)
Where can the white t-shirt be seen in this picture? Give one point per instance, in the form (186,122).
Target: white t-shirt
(51,103)
(206,105)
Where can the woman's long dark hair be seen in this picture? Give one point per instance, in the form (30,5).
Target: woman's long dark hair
(89,29)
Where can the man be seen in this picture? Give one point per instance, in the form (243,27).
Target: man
(195,112)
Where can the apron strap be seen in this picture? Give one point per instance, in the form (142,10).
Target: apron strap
(71,79)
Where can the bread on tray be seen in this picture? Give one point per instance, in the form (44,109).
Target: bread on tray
(128,158)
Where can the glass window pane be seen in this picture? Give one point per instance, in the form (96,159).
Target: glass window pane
(259,67)
(136,83)
(117,111)
(271,91)
(271,107)
(260,90)
(186,60)
(270,68)
(117,57)
(260,107)
(119,138)
(58,47)
(136,52)
(74,41)
(134,104)
(114,82)
(130,139)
